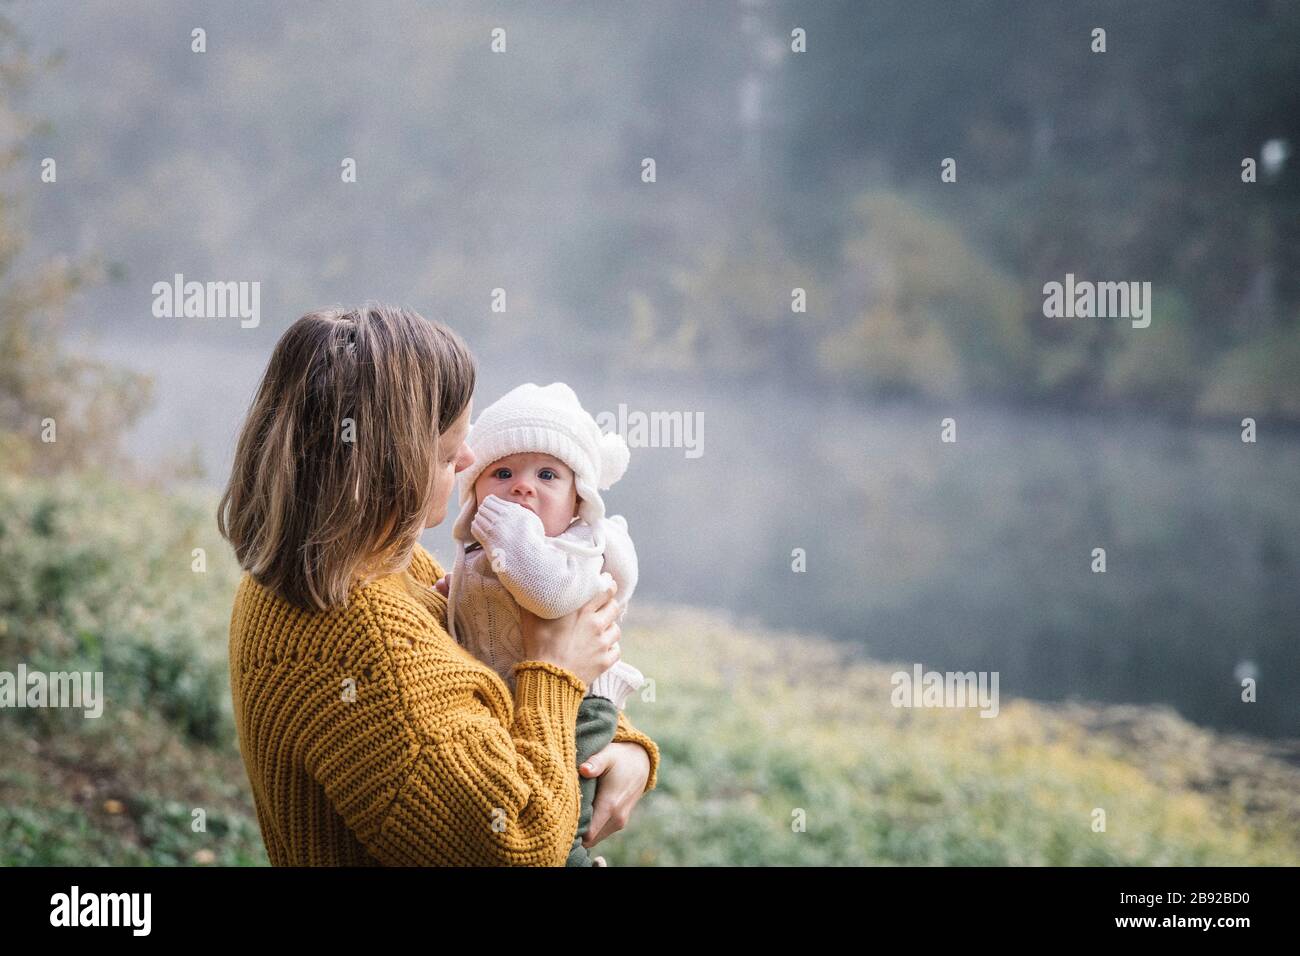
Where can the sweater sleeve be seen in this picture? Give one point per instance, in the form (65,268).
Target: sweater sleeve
(626,732)
(461,786)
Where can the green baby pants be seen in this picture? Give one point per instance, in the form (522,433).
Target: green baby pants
(597,724)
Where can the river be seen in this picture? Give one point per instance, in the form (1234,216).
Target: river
(970,555)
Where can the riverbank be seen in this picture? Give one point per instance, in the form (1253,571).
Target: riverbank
(778,748)
(761,729)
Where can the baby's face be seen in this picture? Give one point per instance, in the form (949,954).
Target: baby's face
(541,483)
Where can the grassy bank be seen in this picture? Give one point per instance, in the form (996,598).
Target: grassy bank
(758,730)
(754,725)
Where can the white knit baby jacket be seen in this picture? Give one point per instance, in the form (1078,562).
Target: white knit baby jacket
(518,565)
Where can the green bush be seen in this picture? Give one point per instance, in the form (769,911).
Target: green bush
(101,580)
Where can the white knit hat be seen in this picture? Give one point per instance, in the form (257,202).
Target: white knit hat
(547,420)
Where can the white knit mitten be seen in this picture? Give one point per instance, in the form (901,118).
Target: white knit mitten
(501,520)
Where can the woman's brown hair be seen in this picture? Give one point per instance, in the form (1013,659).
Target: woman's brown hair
(337,459)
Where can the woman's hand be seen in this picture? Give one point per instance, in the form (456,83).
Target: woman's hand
(584,642)
(624,769)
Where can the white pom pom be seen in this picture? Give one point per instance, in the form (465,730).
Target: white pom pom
(564,391)
(614,457)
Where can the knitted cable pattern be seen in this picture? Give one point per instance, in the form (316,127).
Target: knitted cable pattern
(370,737)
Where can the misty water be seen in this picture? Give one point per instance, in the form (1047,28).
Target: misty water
(973,555)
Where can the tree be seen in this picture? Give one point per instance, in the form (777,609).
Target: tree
(56,410)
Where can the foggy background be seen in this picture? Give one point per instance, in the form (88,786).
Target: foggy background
(775,170)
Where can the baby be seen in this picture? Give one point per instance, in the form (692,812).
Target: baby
(532,533)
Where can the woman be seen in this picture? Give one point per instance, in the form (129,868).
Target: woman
(371,737)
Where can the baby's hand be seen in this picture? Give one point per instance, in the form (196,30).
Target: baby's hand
(504,520)
(443,584)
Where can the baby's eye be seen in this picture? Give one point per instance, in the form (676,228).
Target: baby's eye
(502,473)
(547,474)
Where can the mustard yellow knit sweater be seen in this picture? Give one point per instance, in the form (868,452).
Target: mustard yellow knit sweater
(371,737)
